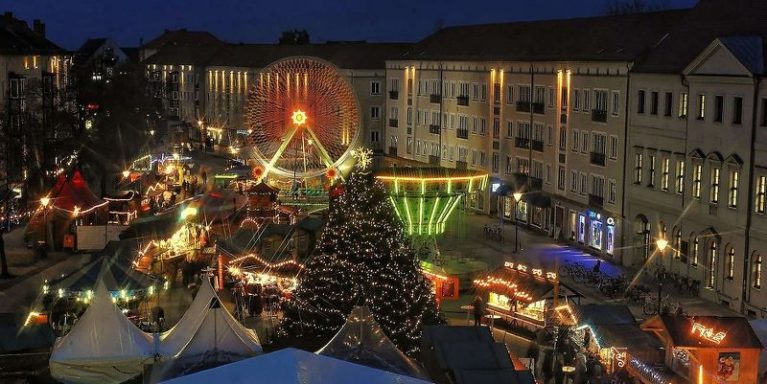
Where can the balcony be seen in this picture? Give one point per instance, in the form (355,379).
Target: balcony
(537,145)
(394,123)
(596,201)
(435,98)
(433,128)
(563,118)
(598,115)
(393,151)
(462,133)
(597,158)
(462,100)
(536,183)
(538,108)
(521,142)
(523,106)
(394,95)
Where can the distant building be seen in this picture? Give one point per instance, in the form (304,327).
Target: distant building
(99,59)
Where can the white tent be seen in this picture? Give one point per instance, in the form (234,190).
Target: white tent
(362,341)
(102,347)
(208,328)
(292,365)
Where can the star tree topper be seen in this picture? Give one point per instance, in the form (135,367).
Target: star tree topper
(364,157)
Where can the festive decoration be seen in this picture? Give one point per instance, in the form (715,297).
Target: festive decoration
(363,259)
(364,157)
(707,333)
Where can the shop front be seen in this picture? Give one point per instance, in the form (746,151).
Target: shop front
(593,230)
(524,295)
(708,349)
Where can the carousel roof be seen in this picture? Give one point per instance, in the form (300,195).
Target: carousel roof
(70,191)
(115,272)
(361,340)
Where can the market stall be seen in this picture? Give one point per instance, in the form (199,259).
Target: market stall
(707,349)
(523,295)
(445,285)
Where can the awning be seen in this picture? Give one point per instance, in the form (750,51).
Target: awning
(523,286)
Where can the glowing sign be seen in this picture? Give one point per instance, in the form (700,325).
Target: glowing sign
(299,117)
(707,333)
(620,356)
(610,221)
(537,272)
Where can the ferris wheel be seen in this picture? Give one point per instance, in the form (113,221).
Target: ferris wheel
(303,119)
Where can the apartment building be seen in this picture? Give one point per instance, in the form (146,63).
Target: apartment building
(541,106)
(208,87)
(697,174)
(35,75)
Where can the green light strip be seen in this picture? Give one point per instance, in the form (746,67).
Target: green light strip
(442,215)
(433,212)
(396,210)
(450,211)
(420,216)
(409,219)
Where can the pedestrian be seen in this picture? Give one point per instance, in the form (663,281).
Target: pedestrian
(204,179)
(597,266)
(478,306)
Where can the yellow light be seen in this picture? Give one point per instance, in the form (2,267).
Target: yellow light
(45,201)
(126,173)
(299,117)
(188,211)
(662,243)
(76,212)
(517,196)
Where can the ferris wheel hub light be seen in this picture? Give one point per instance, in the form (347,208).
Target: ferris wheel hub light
(299,117)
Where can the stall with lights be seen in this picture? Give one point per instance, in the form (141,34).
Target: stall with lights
(424,199)
(524,296)
(707,349)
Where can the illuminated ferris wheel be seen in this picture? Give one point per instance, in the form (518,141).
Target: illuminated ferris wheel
(303,119)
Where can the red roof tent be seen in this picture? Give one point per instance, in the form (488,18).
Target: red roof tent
(70,192)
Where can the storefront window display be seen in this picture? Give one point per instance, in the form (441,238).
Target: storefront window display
(499,301)
(610,235)
(581,229)
(596,236)
(522,211)
(537,218)
(534,310)
(508,206)
(573,224)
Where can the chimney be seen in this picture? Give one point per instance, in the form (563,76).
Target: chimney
(39,27)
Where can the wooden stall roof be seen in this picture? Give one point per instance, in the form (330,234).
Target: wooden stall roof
(739,333)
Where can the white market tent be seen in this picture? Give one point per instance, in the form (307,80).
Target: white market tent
(208,328)
(102,347)
(362,341)
(292,365)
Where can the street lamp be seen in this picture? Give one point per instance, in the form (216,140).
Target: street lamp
(45,201)
(126,173)
(661,244)
(517,197)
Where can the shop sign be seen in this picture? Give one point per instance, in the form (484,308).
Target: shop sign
(594,215)
(619,354)
(707,333)
(494,187)
(610,221)
(535,271)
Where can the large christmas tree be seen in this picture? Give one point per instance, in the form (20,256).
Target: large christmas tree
(363,258)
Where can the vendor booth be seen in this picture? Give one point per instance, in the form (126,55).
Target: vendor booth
(524,295)
(708,349)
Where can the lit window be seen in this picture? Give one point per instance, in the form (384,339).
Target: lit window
(733,196)
(664,169)
(761,190)
(652,172)
(683,105)
(756,271)
(701,107)
(680,176)
(712,250)
(678,244)
(696,179)
(695,250)
(714,196)
(638,168)
(731,263)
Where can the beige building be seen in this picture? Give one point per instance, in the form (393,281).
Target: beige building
(535,104)
(696,175)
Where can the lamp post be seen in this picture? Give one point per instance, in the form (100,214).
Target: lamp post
(661,244)
(517,197)
(44,201)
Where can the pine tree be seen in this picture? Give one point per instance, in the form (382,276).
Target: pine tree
(363,257)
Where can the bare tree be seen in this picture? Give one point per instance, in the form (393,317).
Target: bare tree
(628,7)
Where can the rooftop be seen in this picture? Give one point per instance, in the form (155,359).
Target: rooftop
(16,37)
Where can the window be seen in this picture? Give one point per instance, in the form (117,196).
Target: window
(677,243)
(574,181)
(640,101)
(697,174)
(474,124)
(586,100)
(409,145)
(509,129)
(683,105)
(616,105)
(600,143)
(585,142)
(733,195)
(482,159)
(550,136)
(651,181)
(613,147)
(679,176)
(664,173)
(701,105)
(730,267)
(540,95)
(668,102)
(374,136)
(597,186)
(496,160)
(613,193)
(509,164)
(551,97)
(393,113)
(577,99)
(737,110)
(561,178)
(718,108)
(575,140)
(562,138)
(409,115)
(653,103)
(509,94)
(394,85)
(584,183)
(638,168)
(496,127)
(375,113)
(712,253)
(474,157)
(565,95)
(375,87)
(463,89)
(524,94)
(695,251)
(600,98)
(714,195)
(756,270)
(760,199)
(482,126)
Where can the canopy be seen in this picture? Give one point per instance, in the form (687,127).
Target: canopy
(102,347)
(361,340)
(292,365)
(115,275)
(207,327)
(72,191)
